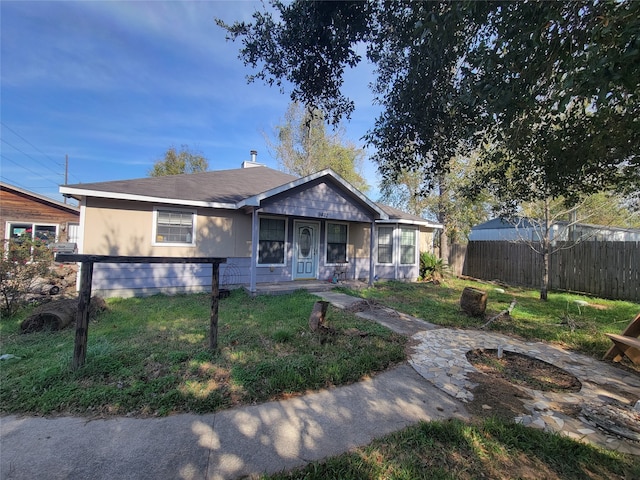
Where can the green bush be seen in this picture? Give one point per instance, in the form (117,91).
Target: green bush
(431,267)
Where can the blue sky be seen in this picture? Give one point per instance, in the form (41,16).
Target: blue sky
(114,84)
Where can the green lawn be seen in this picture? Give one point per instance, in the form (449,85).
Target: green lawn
(559,320)
(150,356)
(455,450)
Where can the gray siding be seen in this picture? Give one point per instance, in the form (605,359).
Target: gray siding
(319,201)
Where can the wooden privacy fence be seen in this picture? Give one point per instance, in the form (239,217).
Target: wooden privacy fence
(603,269)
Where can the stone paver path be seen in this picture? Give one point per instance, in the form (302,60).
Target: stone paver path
(440,357)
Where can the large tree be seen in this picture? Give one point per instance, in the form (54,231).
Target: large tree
(558,86)
(303,146)
(564,73)
(176,162)
(446,203)
(547,91)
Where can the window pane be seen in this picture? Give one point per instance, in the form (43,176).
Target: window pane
(336,233)
(407,246)
(385,245)
(45,233)
(336,253)
(174,227)
(271,241)
(336,243)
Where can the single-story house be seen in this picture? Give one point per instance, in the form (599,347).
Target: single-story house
(524,229)
(27,213)
(270,226)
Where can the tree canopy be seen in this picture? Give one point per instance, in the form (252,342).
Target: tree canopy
(548,91)
(304,146)
(176,162)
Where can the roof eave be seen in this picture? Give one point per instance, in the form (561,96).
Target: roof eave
(406,221)
(79,192)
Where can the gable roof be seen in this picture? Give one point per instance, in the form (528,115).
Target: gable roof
(40,198)
(230,189)
(256,199)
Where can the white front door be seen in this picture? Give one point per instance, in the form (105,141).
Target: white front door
(305,250)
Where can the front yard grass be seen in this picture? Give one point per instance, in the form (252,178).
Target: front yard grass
(150,356)
(559,320)
(457,450)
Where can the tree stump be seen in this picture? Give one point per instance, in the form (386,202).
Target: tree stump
(58,315)
(473,301)
(316,319)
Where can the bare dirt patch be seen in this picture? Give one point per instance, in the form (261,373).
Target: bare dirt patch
(498,381)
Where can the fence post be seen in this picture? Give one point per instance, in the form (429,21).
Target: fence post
(215,297)
(82,316)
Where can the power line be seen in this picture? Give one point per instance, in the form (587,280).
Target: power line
(13,182)
(16,133)
(39,150)
(27,155)
(28,169)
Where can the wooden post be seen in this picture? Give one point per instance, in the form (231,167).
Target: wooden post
(318,314)
(215,297)
(82,317)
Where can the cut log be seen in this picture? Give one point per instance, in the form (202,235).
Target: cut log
(473,301)
(58,315)
(318,314)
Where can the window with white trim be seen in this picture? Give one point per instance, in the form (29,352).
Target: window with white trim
(271,241)
(44,233)
(407,246)
(337,238)
(385,245)
(174,227)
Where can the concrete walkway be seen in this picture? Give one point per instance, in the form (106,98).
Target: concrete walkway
(264,438)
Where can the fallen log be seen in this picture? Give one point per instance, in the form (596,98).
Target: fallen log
(59,314)
(506,312)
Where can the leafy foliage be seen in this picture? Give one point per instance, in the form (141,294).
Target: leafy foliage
(547,90)
(431,267)
(558,85)
(304,146)
(22,263)
(177,162)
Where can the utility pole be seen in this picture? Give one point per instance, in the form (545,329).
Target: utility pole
(66,172)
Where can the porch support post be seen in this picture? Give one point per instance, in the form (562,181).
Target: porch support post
(372,253)
(255,230)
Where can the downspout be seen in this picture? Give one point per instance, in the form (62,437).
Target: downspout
(372,243)
(255,228)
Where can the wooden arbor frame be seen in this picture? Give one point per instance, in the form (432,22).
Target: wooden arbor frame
(84,297)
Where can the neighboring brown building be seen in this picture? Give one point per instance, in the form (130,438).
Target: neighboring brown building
(24,212)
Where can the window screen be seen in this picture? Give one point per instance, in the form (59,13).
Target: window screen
(271,241)
(336,243)
(407,246)
(385,245)
(174,227)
